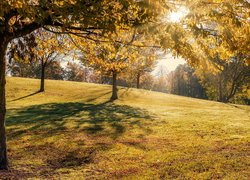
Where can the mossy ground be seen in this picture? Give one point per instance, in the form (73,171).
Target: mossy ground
(72,131)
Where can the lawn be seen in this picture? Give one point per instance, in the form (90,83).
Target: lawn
(72,131)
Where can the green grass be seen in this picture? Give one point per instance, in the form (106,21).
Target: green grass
(72,131)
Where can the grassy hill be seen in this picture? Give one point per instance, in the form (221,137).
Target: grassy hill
(72,131)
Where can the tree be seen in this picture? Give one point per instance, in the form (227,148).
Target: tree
(41,48)
(111,58)
(230,80)
(220,27)
(147,81)
(142,64)
(32,69)
(49,48)
(19,68)
(183,81)
(161,78)
(76,72)
(55,71)
(85,18)
(210,28)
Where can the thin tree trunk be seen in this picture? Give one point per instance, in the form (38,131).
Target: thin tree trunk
(114,87)
(42,89)
(222,95)
(220,89)
(3,146)
(138,81)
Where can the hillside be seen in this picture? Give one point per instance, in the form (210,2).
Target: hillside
(72,131)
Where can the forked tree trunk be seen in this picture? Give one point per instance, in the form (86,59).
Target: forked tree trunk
(42,89)
(3,146)
(114,87)
(138,81)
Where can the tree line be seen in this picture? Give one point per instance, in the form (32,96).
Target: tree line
(228,85)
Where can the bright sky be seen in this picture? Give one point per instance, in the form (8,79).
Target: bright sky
(167,64)
(177,15)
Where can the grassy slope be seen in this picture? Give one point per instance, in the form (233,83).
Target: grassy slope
(71,131)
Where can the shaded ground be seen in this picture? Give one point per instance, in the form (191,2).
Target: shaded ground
(106,119)
(72,132)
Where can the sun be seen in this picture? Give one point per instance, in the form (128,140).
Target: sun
(177,15)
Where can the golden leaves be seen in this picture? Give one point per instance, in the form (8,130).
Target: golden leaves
(16,3)
(114,54)
(212,29)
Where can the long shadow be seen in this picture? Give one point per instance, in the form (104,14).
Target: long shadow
(52,118)
(95,98)
(47,120)
(29,95)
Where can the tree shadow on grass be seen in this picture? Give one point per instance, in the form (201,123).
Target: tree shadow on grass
(26,96)
(49,120)
(52,118)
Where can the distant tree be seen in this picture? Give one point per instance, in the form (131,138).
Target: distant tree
(111,58)
(183,81)
(160,78)
(147,81)
(76,72)
(19,68)
(54,71)
(161,83)
(39,47)
(20,57)
(32,69)
(232,78)
(144,63)
(94,76)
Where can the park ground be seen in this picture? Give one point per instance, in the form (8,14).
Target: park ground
(72,131)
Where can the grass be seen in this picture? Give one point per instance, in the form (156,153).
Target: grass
(72,131)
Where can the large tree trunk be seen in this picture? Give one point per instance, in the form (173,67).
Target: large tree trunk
(42,89)
(114,87)
(138,81)
(3,146)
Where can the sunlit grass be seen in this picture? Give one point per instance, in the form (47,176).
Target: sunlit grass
(72,132)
